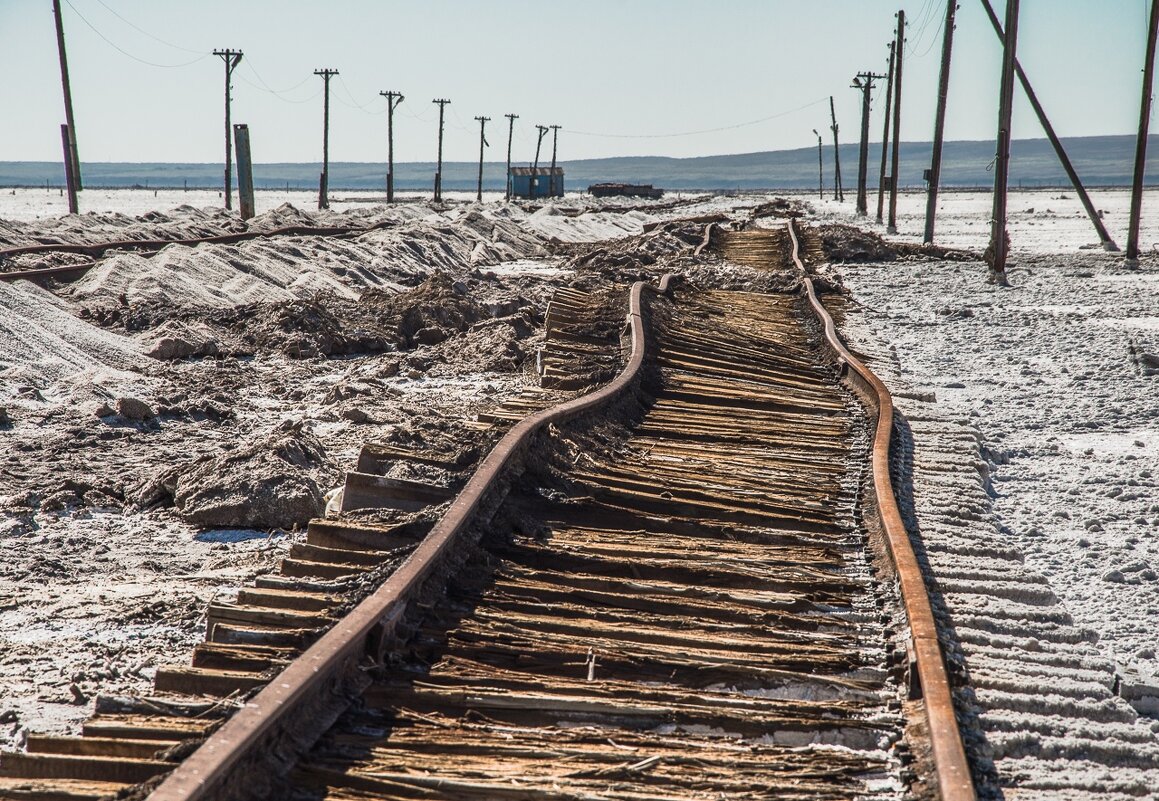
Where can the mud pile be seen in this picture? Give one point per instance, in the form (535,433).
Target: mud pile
(845,244)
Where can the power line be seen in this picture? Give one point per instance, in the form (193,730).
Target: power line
(265,87)
(139,29)
(125,52)
(704,131)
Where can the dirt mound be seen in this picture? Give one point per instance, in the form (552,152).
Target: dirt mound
(845,244)
(273,483)
(429,313)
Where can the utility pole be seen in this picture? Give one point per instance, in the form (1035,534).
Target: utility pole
(1060,151)
(70,150)
(231,58)
(898,49)
(1108,244)
(1141,143)
(838,194)
(554,142)
(864,82)
(885,136)
(935,172)
(245,172)
(324,179)
(997,249)
(482,144)
(511,118)
(820,168)
(391,104)
(543,129)
(69,179)
(439,167)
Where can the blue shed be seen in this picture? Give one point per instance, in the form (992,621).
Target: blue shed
(547,182)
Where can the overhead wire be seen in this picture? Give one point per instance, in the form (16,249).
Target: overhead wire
(125,52)
(139,29)
(705,130)
(354,101)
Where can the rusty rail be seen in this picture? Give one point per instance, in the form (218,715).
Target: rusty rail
(949,753)
(211,768)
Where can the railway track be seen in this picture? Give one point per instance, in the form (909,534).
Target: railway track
(687,584)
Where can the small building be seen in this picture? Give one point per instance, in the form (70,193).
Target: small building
(545,183)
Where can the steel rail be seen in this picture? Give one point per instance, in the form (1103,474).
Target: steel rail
(210,771)
(949,753)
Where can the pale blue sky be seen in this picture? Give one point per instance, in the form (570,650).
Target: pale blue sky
(639,69)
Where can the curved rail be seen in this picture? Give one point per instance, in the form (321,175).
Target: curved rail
(949,753)
(209,770)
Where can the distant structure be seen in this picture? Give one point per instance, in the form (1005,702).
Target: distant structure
(536,182)
(625,190)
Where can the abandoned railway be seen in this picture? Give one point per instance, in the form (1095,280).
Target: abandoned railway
(692,581)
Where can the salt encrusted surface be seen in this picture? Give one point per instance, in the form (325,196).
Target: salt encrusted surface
(1033,437)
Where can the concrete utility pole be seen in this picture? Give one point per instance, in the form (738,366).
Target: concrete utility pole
(554,142)
(511,118)
(1141,143)
(838,194)
(885,136)
(70,151)
(324,179)
(935,173)
(231,58)
(392,100)
(543,129)
(997,249)
(1060,151)
(899,47)
(820,168)
(864,82)
(439,166)
(482,144)
(245,172)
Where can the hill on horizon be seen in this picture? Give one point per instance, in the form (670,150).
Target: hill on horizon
(1100,161)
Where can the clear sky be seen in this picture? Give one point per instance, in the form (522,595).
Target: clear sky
(623,77)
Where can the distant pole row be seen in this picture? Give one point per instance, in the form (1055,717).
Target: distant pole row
(997,251)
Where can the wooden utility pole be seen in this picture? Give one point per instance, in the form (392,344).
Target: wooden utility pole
(69,179)
(935,173)
(554,142)
(231,58)
(511,118)
(885,136)
(439,165)
(392,100)
(543,129)
(482,144)
(1060,151)
(245,172)
(70,150)
(997,249)
(864,82)
(324,179)
(1141,143)
(820,168)
(898,50)
(838,193)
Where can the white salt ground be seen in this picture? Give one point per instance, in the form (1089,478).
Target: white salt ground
(1050,573)
(1044,369)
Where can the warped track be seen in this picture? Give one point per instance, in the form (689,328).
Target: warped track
(686,589)
(690,620)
